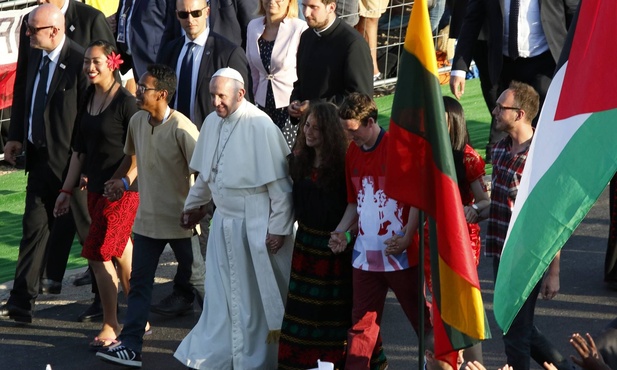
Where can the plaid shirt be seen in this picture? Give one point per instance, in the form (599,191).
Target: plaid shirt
(507,171)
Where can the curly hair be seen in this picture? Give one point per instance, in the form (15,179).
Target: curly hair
(165,78)
(334,146)
(358,106)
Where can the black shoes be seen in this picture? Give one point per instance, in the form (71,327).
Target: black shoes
(48,286)
(84,279)
(121,355)
(8,311)
(92,313)
(173,305)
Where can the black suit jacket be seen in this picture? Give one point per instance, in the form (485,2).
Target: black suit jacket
(230,18)
(153,25)
(555,15)
(332,65)
(84,24)
(64,98)
(218,53)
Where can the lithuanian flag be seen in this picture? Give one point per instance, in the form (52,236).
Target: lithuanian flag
(420,172)
(572,157)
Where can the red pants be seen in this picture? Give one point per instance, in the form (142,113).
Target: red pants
(369,296)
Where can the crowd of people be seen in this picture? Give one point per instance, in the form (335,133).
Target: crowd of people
(214,128)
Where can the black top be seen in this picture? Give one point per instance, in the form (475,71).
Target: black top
(101,137)
(332,65)
(316,207)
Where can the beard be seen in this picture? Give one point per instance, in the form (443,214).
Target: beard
(314,24)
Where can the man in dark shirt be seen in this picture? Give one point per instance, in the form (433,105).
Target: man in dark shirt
(333,59)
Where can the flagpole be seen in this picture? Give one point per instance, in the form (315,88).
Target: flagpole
(421,296)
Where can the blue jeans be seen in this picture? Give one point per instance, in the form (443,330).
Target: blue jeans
(146,253)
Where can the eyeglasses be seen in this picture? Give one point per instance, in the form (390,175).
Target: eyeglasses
(33,30)
(194,13)
(141,89)
(502,108)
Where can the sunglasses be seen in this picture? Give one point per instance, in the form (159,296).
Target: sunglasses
(33,30)
(194,13)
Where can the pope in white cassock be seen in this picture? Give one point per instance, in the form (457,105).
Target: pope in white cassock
(241,160)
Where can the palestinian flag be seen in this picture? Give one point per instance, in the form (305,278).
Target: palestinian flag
(571,159)
(420,172)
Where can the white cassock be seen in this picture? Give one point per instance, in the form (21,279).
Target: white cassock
(242,165)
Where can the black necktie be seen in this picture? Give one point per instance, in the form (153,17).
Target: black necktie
(38,111)
(513,35)
(183,95)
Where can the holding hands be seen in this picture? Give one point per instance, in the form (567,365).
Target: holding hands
(274,242)
(338,241)
(397,243)
(114,189)
(190,218)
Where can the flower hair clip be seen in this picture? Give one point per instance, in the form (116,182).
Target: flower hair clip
(114,60)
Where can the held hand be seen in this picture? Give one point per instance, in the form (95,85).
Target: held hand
(550,286)
(506,367)
(114,189)
(62,205)
(457,86)
(11,150)
(337,242)
(190,218)
(397,244)
(274,242)
(549,366)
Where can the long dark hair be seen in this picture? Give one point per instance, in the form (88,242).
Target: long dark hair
(334,145)
(459,137)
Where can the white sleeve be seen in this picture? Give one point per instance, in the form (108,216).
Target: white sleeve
(281,207)
(199,194)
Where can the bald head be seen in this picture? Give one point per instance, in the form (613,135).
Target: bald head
(49,13)
(45,27)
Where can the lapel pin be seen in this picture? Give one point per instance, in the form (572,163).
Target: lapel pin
(62,66)
(72,28)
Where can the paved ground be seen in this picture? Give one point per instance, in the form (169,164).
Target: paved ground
(56,338)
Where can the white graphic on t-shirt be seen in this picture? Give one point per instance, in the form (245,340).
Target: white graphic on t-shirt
(378,214)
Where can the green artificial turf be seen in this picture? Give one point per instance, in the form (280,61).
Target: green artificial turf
(476,114)
(12,197)
(13,185)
